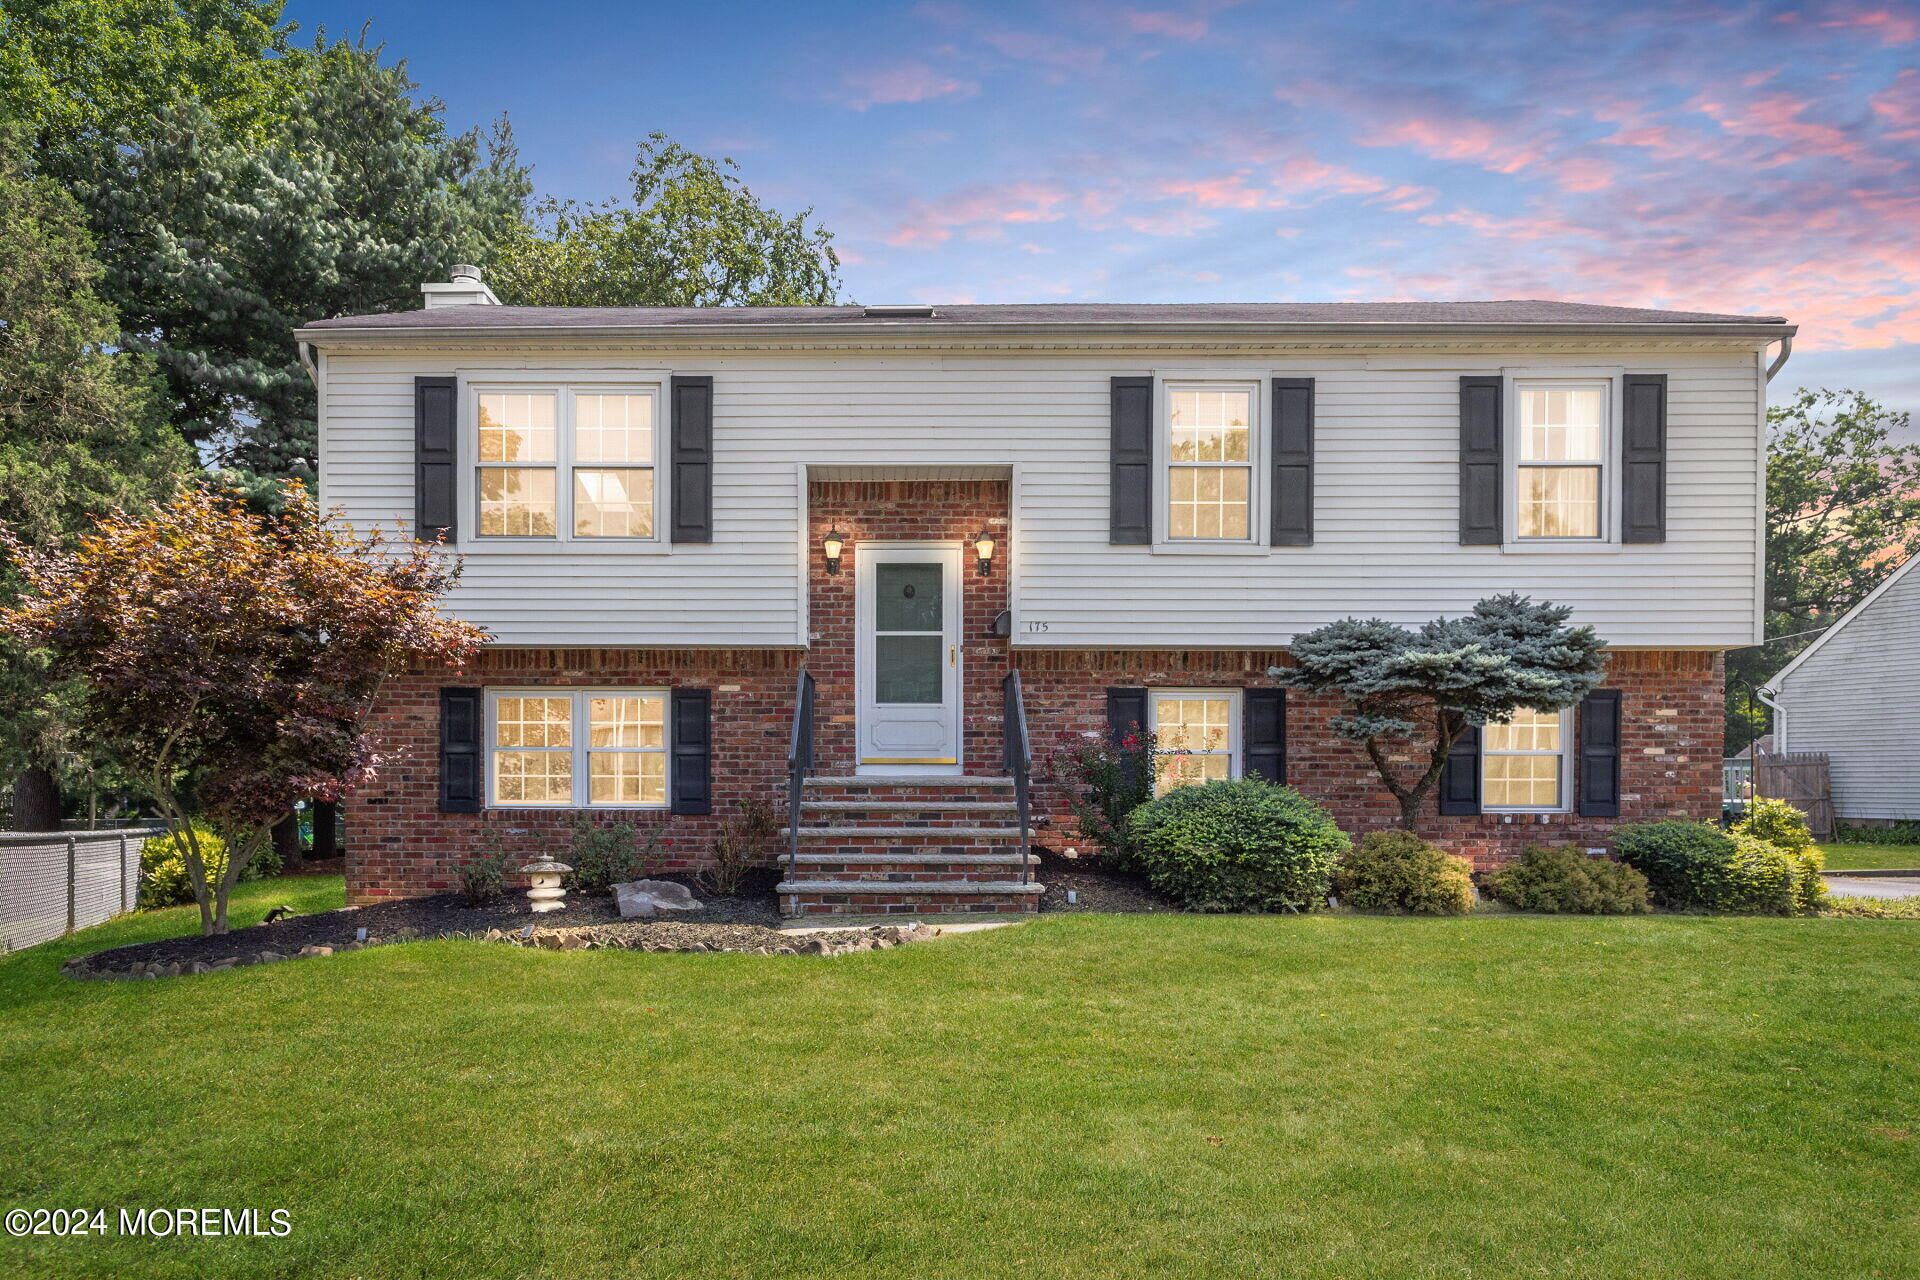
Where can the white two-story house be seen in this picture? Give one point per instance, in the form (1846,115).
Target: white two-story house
(890,534)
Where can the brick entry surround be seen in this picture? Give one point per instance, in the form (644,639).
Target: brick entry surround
(398,843)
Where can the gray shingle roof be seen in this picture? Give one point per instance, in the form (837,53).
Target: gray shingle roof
(1051,314)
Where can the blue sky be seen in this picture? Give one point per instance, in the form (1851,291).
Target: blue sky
(1757,157)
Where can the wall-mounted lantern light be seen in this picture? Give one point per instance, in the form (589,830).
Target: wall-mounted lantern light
(983,547)
(833,544)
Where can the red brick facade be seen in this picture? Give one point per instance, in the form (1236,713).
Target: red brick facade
(399,843)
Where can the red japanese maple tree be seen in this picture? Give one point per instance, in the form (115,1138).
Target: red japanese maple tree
(232,658)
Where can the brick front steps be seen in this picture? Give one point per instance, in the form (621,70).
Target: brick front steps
(907,845)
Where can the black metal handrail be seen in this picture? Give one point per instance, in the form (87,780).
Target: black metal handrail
(799,760)
(1019,757)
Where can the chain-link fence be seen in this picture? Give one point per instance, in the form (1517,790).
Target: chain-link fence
(52,882)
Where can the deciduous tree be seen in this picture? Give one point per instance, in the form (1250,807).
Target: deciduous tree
(1414,693)
(693,236)
(234,657)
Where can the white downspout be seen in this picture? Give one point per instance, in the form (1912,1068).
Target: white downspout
(1779,721)
(1779,361)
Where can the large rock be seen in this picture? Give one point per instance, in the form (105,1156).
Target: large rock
(648,898)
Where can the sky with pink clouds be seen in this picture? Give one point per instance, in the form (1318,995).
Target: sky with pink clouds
(1754,157)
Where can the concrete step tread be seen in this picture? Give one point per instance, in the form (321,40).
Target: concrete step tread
(982,888)
(956,833)
(908,780)
(930,806)
(1011,858)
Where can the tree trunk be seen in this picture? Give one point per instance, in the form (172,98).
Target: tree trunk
(326,830)
(1410,812)
(36,800)
(286,841)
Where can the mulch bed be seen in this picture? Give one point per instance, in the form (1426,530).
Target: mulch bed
(1095,886)
(742,922)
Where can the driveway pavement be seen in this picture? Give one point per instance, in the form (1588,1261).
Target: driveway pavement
(1873,887)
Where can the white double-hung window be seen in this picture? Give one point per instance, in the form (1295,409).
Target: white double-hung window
(1212,445)
(552,749)
(1196,736)
(1523,763)
(1561,480)
(565,462)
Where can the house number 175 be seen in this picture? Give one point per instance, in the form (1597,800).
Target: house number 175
(1035,627)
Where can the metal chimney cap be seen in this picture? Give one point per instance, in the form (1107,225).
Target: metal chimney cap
(466,271)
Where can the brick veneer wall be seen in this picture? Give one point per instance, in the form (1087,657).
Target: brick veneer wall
(1671,736)
(398,843)
(908,511)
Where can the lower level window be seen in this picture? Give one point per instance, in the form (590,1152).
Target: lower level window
(549,749)
(1523,763)
(1196,736)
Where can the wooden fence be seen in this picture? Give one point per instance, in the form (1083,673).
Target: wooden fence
(1804,780)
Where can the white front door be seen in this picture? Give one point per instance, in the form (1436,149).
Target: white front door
(907,656)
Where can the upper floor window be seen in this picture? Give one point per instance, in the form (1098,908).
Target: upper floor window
(575,460)
(563,748)
(1196,736)
(1560,469)
(1211,443)
(1523,763)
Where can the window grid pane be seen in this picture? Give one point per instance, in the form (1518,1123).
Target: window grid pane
(613,428)
(1559,502)
(1209,426)
(1194,738)
(1522,761)
(1208,502)
(533,777)
(1561,425)
(517,502)
(536,758)
(638,721)
(626,777)
(544,723)
(516,427)
(613,503)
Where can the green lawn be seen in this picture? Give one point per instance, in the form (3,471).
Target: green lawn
(1868,857)
(1102,1096)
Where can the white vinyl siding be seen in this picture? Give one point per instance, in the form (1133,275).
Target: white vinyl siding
(1386,482)
(1857,698)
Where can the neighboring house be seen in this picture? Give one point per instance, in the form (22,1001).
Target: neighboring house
(645,499)
(1854,693)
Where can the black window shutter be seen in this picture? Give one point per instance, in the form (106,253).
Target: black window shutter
(1292,462)
(1126,713)
(1460,776)
(1600,754)
(1130,522)
(1643,458)
(1481,398)
(1264,734)
(460,751)
(692,460)
(435,409)
(692,751)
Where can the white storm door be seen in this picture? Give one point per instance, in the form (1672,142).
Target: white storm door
(907,656)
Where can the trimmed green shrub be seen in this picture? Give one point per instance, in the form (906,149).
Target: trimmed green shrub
(1684,862)
(1399,873)
(1692,865)
(606,854)
(483,877)
(1246,845)
(1777,822)
(1564,879)
(163,867)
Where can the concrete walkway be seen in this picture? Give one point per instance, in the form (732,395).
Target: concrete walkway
(1873,887)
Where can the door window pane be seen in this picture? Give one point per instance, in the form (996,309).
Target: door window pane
(907,597)
(613,503)
(908,668)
